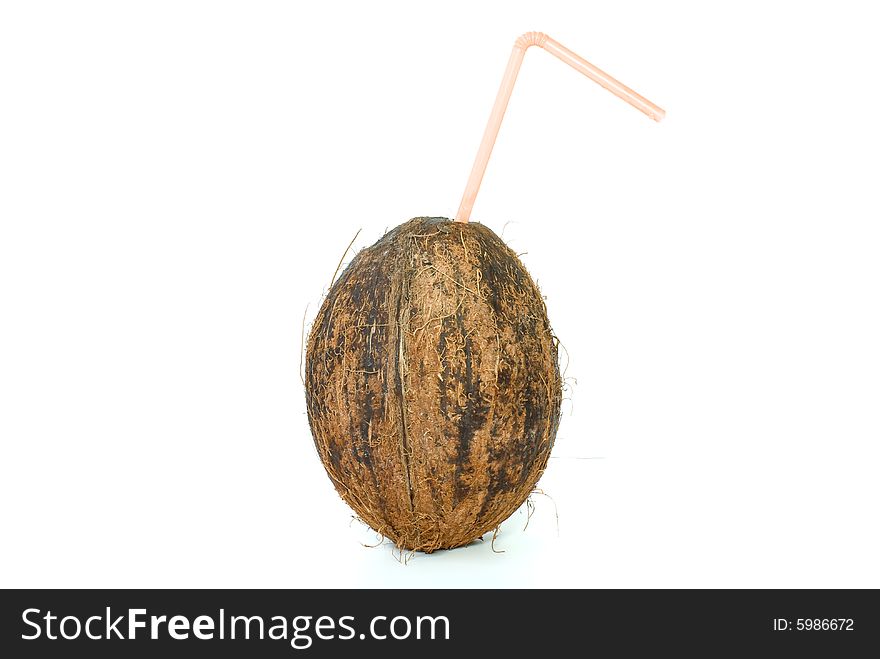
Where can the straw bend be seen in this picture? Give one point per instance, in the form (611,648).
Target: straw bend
(531,39)
(523,43)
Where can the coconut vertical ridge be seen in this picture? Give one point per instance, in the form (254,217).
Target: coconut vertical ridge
(432,384)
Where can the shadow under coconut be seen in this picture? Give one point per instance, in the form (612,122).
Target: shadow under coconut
(498,541)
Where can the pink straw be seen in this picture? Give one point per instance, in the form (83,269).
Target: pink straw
(516,57)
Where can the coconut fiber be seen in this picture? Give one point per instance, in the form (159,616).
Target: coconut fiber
(432,384)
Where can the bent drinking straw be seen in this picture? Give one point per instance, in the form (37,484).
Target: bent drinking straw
(516,57)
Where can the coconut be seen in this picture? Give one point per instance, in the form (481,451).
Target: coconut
(432,384)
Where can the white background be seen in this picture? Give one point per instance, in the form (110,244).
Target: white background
(179,179)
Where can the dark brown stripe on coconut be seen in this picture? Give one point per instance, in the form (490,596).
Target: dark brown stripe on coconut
(472,417)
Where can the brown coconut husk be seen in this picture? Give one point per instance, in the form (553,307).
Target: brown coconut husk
(432,384)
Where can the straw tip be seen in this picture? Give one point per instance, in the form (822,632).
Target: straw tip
(658,115)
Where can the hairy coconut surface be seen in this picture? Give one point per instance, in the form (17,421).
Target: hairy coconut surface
(432,383)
